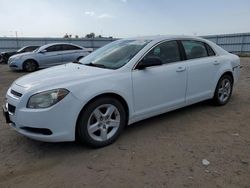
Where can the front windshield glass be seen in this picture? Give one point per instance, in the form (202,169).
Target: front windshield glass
(115,54)
(37,49)
(21,49)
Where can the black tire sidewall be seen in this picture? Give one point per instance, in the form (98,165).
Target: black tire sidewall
(29,61)
(82,132)
(216,96)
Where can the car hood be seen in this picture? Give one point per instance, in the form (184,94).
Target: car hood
(60,75)
(8,52)
(21,55)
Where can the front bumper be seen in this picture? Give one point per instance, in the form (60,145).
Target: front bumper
(54,124)
(15,64)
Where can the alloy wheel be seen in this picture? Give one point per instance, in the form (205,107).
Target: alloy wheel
(104,122)
(224,90)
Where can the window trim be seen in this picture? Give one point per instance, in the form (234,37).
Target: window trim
(167,40)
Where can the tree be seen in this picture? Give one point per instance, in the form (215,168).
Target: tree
(90,35)
(66,36)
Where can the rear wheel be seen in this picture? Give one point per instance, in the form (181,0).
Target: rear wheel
(223,90)
(101,122)
(30,66)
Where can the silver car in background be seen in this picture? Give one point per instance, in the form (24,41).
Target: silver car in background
(47,56)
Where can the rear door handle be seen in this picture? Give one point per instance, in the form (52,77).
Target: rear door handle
(216,62)
(180,69)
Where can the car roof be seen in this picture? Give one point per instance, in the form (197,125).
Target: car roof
(51,44)
(166,37)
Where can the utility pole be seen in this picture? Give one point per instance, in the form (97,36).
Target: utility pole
(17,45)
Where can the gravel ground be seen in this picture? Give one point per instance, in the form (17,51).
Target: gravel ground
(164,151)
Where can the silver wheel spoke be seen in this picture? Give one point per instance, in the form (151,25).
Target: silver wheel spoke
(223,83)
(110,111)
(220,91)
(104,134)
(113,123)
(93,128)
(97,114)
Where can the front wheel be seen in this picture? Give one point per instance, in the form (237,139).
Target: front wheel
(30,66)
(101,122)
(223,90)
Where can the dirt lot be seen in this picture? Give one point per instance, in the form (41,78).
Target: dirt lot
(165,151)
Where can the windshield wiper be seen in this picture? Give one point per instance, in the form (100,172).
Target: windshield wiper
(96,65)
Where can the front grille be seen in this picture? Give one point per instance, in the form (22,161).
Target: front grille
(11,108)
(15,93)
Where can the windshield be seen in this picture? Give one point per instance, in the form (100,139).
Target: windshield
(115,54)
(37,49)
(21,49)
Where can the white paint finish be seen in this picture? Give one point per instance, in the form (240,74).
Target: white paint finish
(159,87)
(147,92)
(201,73)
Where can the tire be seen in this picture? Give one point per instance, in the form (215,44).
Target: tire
(101,122)
(3,60)
(30,66)
(223,90)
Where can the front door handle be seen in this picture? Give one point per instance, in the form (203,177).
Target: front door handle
(180,69)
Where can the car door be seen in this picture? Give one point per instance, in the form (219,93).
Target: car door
(202,64)
(160,88)
(51,56)
(70,53)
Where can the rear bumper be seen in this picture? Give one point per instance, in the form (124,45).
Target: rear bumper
(236,73)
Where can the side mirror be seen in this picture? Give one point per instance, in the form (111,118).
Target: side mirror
(43,51)
(149,62)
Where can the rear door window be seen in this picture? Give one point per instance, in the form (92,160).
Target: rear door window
(194,49)
(54,48)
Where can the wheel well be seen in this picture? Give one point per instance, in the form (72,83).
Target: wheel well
(225,73)
(112,95)
(229,74)
(33,61)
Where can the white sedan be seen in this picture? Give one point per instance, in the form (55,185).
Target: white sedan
(121,83)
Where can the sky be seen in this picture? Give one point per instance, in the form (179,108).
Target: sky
(123,18)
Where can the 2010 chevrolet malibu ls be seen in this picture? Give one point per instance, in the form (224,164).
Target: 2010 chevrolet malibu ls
(121,83)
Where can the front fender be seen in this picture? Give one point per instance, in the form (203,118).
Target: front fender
(104,86)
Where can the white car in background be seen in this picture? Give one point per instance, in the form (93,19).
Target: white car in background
(121,83)
(47,56)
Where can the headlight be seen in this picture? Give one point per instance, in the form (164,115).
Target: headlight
(47,98)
